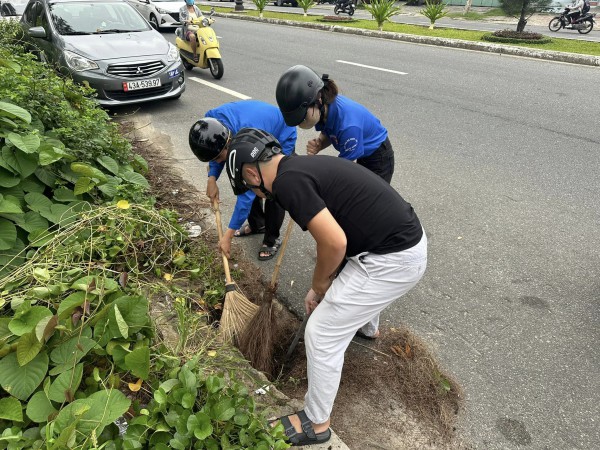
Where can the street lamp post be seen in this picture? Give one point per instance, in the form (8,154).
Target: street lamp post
(239,5)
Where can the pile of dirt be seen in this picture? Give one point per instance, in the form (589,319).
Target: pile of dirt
(392,395)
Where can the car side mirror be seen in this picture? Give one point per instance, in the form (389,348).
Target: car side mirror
(37,32)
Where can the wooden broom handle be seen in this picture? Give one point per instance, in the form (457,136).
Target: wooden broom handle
(288,232)
(220,231)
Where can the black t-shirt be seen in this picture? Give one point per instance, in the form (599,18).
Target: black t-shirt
(373,215)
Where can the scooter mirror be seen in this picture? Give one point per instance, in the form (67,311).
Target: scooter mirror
(212,11)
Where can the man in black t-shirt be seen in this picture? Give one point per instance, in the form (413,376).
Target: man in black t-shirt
(354,216)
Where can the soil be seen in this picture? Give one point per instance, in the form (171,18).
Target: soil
(393,394)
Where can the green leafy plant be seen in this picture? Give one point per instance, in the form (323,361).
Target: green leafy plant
(207,412)
(74,324)
(56,103)
(434,11)
(306,5)
(260,6)
(382,11)
(43,187)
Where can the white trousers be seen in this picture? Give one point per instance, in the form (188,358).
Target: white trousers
(365,287)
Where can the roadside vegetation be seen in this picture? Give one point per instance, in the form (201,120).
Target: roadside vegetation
(556,44)
(472,15)
(434,11)
(88,267)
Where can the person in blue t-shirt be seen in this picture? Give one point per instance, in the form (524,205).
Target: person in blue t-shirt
(308,100)
(209,138)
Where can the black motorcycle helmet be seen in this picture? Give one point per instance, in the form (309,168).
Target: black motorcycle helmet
(249,145)
(297,90)
(207,138)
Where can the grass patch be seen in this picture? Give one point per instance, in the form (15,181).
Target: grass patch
(471,15)
(560,45)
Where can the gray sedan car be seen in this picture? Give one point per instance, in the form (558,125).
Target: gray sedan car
(107,44)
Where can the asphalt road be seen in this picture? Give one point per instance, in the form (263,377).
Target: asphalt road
(499,157)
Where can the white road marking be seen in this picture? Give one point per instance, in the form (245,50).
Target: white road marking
(371,67)
(220,88)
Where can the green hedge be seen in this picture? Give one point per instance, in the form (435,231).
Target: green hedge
(494,37)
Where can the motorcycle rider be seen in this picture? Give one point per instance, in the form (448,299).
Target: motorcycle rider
(188,12)
(342,4)
(308,100)
(575,11)
(209,138)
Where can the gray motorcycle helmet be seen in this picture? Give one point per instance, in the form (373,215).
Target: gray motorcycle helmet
(249,145)
(297,90)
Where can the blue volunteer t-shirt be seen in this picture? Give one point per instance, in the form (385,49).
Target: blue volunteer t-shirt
(253,114)
(352,129)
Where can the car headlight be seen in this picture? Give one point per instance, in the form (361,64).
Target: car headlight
(162,11)
(78,63)
(173,54)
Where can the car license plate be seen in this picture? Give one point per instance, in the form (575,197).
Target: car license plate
(140,84)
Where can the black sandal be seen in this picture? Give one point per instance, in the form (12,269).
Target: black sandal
(242,231)
(270,251)
(308,436)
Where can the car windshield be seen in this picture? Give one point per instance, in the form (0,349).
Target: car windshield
(96,18)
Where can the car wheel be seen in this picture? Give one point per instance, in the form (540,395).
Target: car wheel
(154,22)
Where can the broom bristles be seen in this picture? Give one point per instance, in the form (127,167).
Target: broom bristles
(256,342)
(238,311)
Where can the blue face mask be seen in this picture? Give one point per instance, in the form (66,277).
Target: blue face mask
(189,2)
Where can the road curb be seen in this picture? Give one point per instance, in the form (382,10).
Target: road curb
(549,55)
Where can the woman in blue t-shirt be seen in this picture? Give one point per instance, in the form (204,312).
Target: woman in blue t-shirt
(307,100)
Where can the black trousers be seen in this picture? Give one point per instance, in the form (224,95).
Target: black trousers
(381,161)
(271,219)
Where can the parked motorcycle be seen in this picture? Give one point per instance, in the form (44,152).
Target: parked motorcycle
(584,24)
(209,56)
(344,6)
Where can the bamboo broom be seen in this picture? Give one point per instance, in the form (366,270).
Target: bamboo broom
(257,342)
(237,309)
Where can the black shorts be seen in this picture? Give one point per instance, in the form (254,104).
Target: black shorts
(381,161)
